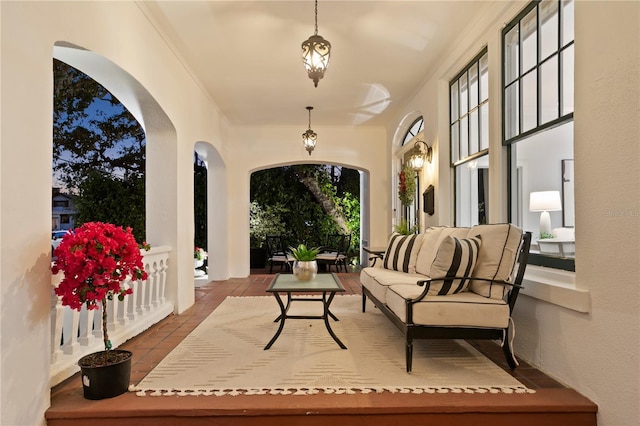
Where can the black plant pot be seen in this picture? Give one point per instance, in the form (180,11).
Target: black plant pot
(106,380)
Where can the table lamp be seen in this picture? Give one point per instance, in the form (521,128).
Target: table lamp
(545,201)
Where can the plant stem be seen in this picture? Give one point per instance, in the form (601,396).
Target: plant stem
(105,335)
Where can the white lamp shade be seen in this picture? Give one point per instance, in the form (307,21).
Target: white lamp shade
(545,201)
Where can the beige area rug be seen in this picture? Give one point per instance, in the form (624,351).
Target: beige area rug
(225,355)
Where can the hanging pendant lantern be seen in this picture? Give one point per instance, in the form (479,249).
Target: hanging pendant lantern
(309,138)
(315,53)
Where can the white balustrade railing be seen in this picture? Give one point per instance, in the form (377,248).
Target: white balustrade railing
(75,334)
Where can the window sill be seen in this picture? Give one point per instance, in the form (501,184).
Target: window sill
(556,287)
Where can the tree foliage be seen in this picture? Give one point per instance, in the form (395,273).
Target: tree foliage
(107,198)
(98,151)
(305,203)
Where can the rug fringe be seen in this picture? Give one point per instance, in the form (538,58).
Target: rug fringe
(328,391)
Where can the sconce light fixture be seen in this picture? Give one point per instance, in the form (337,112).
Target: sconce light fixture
(315,54)
(545,202)
(309,138)
(420,153)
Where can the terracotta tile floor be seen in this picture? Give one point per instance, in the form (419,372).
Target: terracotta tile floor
(154,344)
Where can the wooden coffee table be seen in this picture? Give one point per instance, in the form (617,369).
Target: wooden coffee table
(326,284)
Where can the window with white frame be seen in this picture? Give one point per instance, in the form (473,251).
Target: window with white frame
(469,121)
(538,73)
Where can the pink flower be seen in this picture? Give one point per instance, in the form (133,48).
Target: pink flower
(95,259)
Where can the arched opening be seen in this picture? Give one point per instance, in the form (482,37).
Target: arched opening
(305,203)
(163,293)
(214,229)
(160,134)
(200,254)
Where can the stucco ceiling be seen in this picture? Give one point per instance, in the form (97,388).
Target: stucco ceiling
(246,54)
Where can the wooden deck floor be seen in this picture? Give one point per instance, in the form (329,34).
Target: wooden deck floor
(552,404)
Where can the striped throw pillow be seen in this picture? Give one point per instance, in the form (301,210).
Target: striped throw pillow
(455,258)
(400,249)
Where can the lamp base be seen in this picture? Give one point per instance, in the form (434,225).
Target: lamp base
(545,223)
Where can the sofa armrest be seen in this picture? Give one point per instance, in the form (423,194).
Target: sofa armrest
(427,285)
(375,255)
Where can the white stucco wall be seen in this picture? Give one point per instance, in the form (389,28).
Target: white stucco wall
(119,32)
(176,115)
(251,149)
(597,353)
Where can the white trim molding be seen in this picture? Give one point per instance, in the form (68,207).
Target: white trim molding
(555,286)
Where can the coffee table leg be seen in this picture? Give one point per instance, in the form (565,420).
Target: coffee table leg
(326,303)
(282,317)
(286,309)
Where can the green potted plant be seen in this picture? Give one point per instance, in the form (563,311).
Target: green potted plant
(403,227)
(199,256)
(305,266)
(96,258)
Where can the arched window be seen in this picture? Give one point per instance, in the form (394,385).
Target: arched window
(416,127)
(411,211)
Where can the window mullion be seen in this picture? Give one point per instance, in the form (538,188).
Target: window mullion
(560,60)
(520,72)
(468,112)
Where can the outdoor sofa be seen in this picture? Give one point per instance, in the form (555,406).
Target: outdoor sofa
(451,283)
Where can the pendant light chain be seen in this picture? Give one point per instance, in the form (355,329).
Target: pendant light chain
(316,14)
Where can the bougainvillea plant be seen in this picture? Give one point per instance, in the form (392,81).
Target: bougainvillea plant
(96,259)
(406,186)
(199,253)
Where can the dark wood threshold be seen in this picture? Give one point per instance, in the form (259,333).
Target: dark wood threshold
(546,406)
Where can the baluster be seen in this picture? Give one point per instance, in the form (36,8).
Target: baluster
(57,315)
(162,275)
(146,284)
(70,330)
(111,317)
(140,300)
(121,315)
(132,312)
(85,326)
(153,279)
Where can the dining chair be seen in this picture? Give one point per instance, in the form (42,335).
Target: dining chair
(334,252)
(277,253)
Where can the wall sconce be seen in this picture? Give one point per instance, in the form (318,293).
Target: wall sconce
(419,155)
(545,201)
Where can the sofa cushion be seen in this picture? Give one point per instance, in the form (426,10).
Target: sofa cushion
(456,257)
(377,280)
(449,311)
(402,252)
(431,242)
(496,259)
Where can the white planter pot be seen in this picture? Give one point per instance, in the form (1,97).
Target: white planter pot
(196,264)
